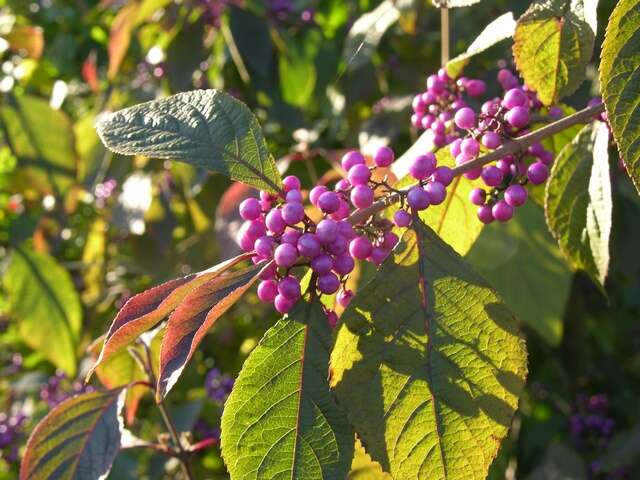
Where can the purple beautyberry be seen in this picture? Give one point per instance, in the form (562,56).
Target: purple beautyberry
(329,202)
(502,211)
(327,230)
(314,194)
(383,157)
(402,218)
(491,140)
(518,117)
(267,290)
(418,198)
(328,283)
(344,297)
(264,246)
(250,209)
(470,147)
(323,263)
(515,195)
(343,264)
(292,213)
(361,196)
(293,196)
(359,174)
(475,88)
(477,196)
(283,304)
(443,175)
(465,118)
(290,236)
(423,166)
(352,158)
(492,175)
(514,98)
(291,183)
(285,255)
(289,287)
(537,173)
(309,245)
(484,214)
(436,192)
(360,247)
(274,221)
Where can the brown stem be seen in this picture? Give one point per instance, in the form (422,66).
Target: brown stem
(512,146)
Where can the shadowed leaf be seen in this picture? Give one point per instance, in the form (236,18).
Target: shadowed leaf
(193,318)
(429,363)
(78,439)
(206,128)
(620,80)
(281,419)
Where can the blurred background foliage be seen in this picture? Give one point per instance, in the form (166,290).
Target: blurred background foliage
(82,229)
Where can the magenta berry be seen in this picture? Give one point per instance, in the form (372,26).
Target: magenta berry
(345,229)
(475,88)
(342,212)
(470,147)
(390,240)
(477,196)
(418,198)
(473,173)
(274,221)
(344,264)
(283,304)
(352,158)
(515,195)
(502,211)
(267,290)
(293,196)
(491,140)
(328,283)
(360,247)
(492,176)
(344,298)
(484,214)
(321,264)
(342,185)
(443,175)
(332,318)
(518,117)
(465,118)
(250,209)
(402,218)
(507,79)
(361,196)
(338,246)
(292,213)
(454,147)
(378,255)
(329,202)
(327,230)
(290,236)
(436,192)
(315,193)
(383,157)
(359,174)
(514,98)
(309,245)
(264,246)
(537,173)
(423,166)
(285,255)
(289,287)
(291,183)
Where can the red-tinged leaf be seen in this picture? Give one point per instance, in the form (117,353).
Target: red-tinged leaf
(189,323)
(78,439)
(145,310)
(90,72)
(228,220)
(120,37)
(28,39)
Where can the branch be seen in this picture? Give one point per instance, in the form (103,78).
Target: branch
(512,146)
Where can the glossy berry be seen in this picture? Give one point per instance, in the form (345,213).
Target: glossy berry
(470,147)
(321,264)
(507,79)
(360,247)
(361,196)
(402,218)
(359,174)
(291,183)
(332,319)
(514,98)
(475,88)
(502,211)
(329,202)
(285,255)
(274,221)
(290,236)
(492,175)
(250,209)
(383,157)
(418,198)
(267,290)
(537,173)
(518,117)
(327,230)
(477,196)
(264,246)
(289,287)
(328,283)
(436,192)
(345,229)
(491,140)
(315,193)
(283,304)
(484,214)
(309,245)
(465,118)
(352,158)
(422,166)
(342,185)
(343,264)
(292,213)
(515,195)
(443,175)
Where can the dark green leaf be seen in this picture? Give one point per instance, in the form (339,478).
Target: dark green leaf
(78,439)
(620,80)
(206,128)
(429,363)
(46,306)
(252,37)
(578,202)
(553,44)
(281,419)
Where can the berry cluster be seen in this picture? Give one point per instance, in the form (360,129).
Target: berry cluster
(58,389)
(10,433)
(589,424)
(218,386)
(277,228)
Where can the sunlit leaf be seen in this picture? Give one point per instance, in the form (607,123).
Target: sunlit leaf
(578,201)
(193,318)
(297,72)
(429,363)
(45,304)
(78,439)
(364,468)
(120,36)
(94,261)
(26,38)
(281,419)
(553,43)
(206,128)
(620,81)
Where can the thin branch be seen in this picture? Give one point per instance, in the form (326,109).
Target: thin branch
(444,35)
(516,145)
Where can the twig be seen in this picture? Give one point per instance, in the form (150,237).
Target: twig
(444,35)
(516,145)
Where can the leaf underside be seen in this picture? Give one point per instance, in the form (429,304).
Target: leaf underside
(206,128)
(620,82)
(553,43)
(78,439)
(281,420)
(429,364)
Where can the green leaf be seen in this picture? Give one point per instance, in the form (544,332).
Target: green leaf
(620,82)
(578,202)
(43,141)
(281,419)
(78,439)
(500,29)
(553,43)
(206,128)
(46,306)
(297,75)
(193,318)
(252,37)
(522,261)
(364,468)
(366,32)
(429,364)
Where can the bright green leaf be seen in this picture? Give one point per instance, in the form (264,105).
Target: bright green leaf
(553,44)
(429,363)
(45,304)
(578,201)
(523,263)
(297,76)
(206,128)
(500,29)
(620,82)
(364,468)
(281,419)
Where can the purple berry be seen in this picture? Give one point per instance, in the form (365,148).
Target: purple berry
(250,209)
(329,202)
(555,112)
(416,120)
(546,157)
(477,196)
(518,117)
(282,304)
(537,173)
(454,147)
(390,240)
(345,229)
(309,245)
(465,118)
(269,272)
(502,211)
(328,283)
(443,175)
(378,254)
(292,213)
(332,318)
(360,247)
(504,166)
(342,212)
(383,157)
(536,149)
(289,287)
(473,173)
(285,255)
(491,140)
(507,79)
(475,88)
(343,264)
(344,298)
(359,174)
(264,246)
(342,185)
(361,196)
(492,175)
(423,166)
(338,246)
(515,195)
(321,264)
(470,147)
(290,236)
(293,196)
(436,192)
(418,198)
(402,218)
(484,214)
(267,291)
(327,231)
(291,183)
(514,98)
(315,193)
(274,221)
(352,158)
